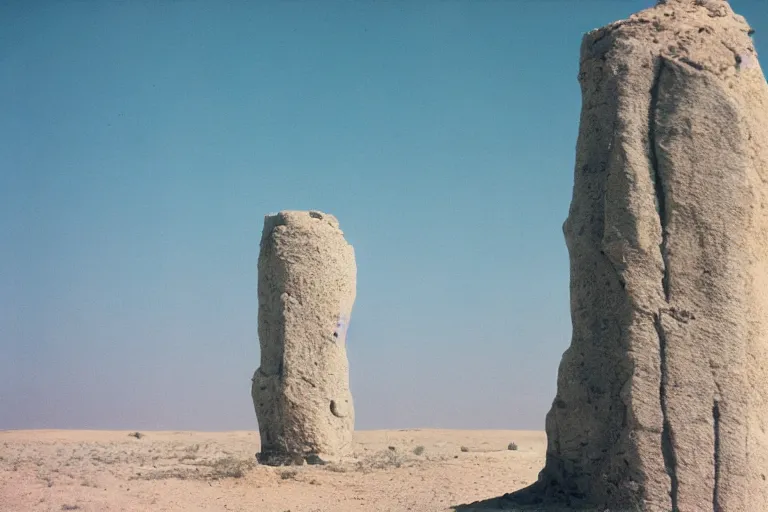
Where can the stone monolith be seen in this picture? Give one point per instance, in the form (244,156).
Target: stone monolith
(662,396)
(307,280)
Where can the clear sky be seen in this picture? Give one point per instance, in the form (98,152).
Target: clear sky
(142,142)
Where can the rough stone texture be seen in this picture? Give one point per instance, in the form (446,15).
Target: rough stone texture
(662,399)
(307,279)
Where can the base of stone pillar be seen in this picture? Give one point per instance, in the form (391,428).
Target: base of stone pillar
(284,459)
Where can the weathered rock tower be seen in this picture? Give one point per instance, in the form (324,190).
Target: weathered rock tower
(307,278)
(662,401)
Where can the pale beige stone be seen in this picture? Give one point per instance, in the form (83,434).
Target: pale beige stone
(307,280)
(662,400)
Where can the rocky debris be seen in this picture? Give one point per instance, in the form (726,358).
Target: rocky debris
(307,281)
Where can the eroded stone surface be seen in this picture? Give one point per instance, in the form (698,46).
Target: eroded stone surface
(307,280)
(662,395)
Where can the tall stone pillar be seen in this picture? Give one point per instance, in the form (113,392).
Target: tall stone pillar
(662,400)
(307,279)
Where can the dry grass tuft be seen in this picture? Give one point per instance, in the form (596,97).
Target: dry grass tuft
(219,469)
(336,468)
(231,467)
(383,459)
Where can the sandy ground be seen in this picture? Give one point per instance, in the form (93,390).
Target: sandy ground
(419,470)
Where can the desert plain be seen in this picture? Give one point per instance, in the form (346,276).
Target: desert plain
(421,470)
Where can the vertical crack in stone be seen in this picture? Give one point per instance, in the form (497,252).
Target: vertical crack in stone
(661,202)
(667,448)
(716,425)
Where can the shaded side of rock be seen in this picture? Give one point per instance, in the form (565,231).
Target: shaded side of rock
(301,395)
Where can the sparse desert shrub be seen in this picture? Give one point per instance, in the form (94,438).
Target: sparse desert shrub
(382,460)
(105,459)
(336,468)
(418,450)
(137,435)
(288,474)
(70,507)
(464,449)
(88,483)
(228,467)
(512,446)
(191,452)
(167,474)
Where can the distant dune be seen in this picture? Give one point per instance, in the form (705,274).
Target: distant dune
(103,471)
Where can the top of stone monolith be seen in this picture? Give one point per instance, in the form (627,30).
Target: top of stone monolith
(299,219)
(704,34)
(694,2)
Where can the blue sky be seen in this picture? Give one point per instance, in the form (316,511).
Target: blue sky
(142,143)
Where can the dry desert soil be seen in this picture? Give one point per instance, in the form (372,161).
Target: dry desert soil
(419,470)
